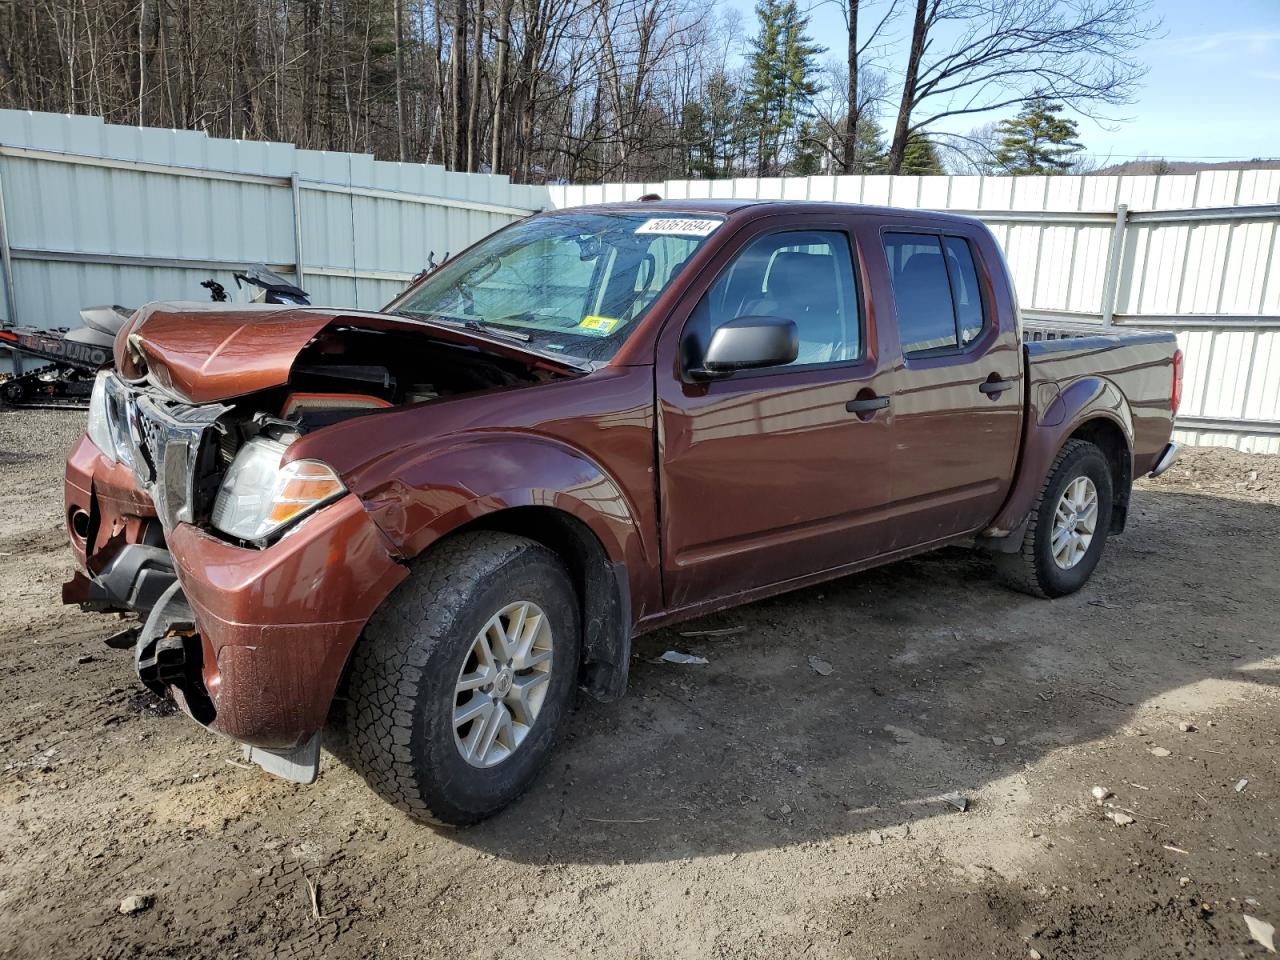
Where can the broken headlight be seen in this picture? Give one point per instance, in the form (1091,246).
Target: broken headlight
(258,496)
(107,427)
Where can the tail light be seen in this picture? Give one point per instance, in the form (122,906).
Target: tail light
(1176,399)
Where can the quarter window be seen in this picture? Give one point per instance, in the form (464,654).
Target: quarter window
(965,291)
(802,276)
(936,293)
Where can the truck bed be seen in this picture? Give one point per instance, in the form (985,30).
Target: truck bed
(1134,366)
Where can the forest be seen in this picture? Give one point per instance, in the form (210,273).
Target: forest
(594,90)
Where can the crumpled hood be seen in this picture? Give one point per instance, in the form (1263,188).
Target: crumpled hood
(207,352)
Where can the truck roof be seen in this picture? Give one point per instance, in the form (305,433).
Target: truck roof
(745,207)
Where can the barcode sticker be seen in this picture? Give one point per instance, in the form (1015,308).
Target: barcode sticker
(679,226)
(599,325)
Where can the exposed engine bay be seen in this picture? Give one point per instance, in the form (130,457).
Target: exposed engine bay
(222,465)
(352,371)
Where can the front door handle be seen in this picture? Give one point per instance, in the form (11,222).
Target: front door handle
(867,405)
(993,387)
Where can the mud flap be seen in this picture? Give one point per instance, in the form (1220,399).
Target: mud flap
(301,764)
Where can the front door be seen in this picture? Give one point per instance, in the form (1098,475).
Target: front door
(769,475)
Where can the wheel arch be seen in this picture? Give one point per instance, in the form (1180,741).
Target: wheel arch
(1092,409)
(1105,434)
(601,583)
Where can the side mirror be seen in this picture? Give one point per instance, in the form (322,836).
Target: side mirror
(748,343)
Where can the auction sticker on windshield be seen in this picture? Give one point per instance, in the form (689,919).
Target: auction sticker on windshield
(600,325)
(679,226)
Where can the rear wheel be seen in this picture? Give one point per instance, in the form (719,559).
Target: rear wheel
(1068,527)
(460,681)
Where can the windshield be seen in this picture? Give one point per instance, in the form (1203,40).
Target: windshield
(572,284)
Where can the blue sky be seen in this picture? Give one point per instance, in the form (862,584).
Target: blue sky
(1213,90)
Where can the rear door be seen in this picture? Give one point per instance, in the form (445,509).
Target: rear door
(769,475)
(957,395)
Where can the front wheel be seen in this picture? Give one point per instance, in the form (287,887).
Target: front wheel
(1068,527)
(461,679)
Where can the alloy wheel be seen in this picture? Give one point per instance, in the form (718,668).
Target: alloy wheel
(502,684)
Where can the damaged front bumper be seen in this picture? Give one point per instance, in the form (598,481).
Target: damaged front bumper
(249,642)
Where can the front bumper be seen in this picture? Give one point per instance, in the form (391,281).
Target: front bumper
(268,633)
(276,626)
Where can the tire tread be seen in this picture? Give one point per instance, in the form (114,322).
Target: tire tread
(1019,570)
(389,662)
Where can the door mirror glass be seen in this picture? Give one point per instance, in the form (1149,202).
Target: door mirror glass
(748,343)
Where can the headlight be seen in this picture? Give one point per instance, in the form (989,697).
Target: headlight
(107,426)
(99,430)
(258,496)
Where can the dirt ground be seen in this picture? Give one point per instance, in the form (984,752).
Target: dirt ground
(748,808)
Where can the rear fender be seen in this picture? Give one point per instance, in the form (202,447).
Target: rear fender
(1076,405)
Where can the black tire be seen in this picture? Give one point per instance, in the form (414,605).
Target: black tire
(401,688)
(1032,569)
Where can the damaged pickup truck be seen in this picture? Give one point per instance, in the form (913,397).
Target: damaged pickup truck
(423,528)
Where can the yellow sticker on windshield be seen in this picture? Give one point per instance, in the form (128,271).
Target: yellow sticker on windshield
(600,325)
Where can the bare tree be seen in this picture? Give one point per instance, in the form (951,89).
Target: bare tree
(542,90)
(854,57)
(402,140)
(1078,51)
(458,86)
(500,85)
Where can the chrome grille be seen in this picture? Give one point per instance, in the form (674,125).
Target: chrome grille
(167,439)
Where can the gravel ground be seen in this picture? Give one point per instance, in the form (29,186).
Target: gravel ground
(748,808)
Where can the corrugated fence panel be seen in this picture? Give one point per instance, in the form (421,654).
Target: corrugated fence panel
(1246,267)
(1264,394)
(98,213)
(1088,268)
(1195,349)
(1230,354)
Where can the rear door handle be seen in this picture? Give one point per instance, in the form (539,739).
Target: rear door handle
(869,405)
(991,387)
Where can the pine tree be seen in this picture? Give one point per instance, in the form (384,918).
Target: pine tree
(695,134)
(870,153)
(1037,140)
(781,84)
(921,158)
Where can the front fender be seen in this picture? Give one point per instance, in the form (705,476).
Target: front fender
(1083,400)
(444,488)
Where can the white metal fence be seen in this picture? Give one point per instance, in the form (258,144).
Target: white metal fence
(94,213)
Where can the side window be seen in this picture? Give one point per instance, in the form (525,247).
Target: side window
(964,288)
(935,290)
(803,276)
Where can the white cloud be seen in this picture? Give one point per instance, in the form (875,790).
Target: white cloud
(1255,43)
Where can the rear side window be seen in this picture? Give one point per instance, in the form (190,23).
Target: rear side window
(964,288)
(935,291)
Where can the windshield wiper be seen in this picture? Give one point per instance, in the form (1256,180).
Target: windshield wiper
(470,323)
(497,331)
